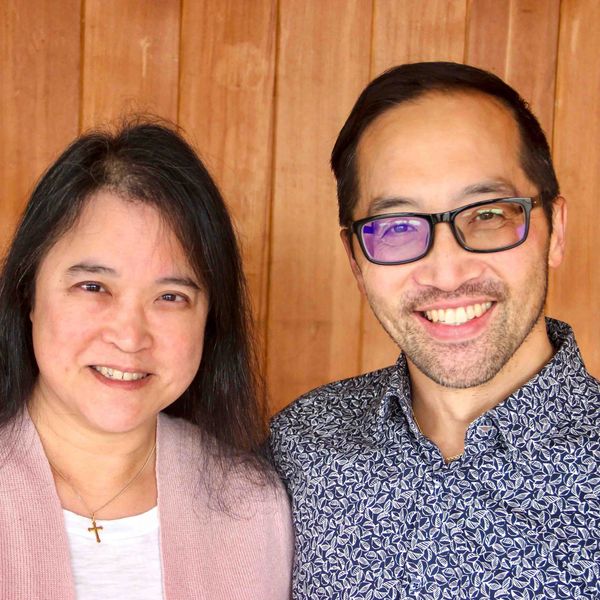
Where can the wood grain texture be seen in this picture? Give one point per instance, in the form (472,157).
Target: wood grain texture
(39,95)
(131,54)
(408,31)
(226,107)
(518,41)
(313,313)
(413,30)
(262,87)
(575,287)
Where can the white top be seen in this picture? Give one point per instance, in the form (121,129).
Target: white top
(124,565)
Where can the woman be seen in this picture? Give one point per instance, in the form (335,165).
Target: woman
(130,425)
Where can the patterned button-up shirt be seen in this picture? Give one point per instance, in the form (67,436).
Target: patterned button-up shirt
(378,514)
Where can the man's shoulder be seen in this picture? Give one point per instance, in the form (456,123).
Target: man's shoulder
(335,406)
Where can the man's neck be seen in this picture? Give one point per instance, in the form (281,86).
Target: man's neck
(444,414)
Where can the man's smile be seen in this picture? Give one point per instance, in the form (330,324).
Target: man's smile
(458,315)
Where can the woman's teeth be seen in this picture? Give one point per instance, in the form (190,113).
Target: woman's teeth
(457,316)
(119,375)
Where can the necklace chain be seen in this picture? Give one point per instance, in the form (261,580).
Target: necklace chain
(448,459)
(94,529)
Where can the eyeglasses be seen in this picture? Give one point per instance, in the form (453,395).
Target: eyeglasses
(488,226)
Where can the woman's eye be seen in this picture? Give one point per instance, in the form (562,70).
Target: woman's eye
(170,297)
(90,286)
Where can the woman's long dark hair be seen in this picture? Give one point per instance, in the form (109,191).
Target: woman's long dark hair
(148,162)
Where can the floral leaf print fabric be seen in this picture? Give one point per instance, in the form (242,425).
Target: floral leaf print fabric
(378,514)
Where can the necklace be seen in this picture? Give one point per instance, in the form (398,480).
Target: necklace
(447,459)
(96,528)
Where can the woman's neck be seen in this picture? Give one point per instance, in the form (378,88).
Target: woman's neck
(91,467)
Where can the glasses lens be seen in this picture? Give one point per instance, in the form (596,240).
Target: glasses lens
(492,226)
(395,239)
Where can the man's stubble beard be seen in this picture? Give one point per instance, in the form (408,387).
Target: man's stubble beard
(465,364)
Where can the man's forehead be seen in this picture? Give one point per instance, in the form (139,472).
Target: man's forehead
(442,142)
(438,110)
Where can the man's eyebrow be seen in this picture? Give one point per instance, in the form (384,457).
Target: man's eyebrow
(402,203)
(490,187)
(386,202)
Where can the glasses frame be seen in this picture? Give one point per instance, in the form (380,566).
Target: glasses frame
(443,217)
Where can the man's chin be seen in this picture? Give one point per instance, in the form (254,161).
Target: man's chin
(460,365)
(459,378)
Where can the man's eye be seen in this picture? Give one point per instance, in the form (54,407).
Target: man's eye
(489,214)
(90,286)
(396,228)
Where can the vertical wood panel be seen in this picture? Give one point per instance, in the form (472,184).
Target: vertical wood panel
(39,95)
(131,51)
(575,288)
(518,41)
(408,31)
(328,50)
(226,106)
(413,31)
(323,64)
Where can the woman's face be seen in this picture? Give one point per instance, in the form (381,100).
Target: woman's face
(118,319)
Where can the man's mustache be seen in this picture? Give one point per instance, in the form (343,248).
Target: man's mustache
(492,290)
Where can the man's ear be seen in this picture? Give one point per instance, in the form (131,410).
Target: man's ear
(346,237)
(556,250)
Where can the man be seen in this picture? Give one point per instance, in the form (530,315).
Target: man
(471,468)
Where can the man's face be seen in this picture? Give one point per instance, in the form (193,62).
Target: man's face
(435,154)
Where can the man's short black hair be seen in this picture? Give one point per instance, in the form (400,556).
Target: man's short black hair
(411,81)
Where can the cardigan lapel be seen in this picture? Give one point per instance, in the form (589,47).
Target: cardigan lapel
(34,549)
(182,550)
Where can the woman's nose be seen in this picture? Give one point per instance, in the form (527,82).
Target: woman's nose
(127,328)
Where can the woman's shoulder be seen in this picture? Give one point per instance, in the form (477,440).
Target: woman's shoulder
(179,428)
(234,478)
(209,498)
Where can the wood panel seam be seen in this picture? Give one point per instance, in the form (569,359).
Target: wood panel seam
(467,31)
(179,63)
(556,86)
(269,245)
(81,64)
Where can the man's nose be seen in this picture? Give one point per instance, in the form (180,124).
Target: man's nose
(448,265)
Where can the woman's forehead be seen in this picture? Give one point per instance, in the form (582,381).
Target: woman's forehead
(123,231)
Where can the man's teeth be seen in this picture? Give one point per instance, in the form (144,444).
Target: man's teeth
(120,375)
(457,316)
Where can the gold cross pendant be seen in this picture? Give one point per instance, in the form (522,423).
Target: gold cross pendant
(95,529)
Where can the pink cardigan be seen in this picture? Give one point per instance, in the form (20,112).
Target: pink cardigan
(207,554)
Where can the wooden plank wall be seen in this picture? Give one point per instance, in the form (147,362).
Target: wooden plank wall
(262,87)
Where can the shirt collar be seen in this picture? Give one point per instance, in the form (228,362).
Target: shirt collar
(395,391)
(527,416)
(555,397)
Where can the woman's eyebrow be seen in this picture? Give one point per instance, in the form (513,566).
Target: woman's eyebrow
(183,281)
(91,268)
(103,270)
